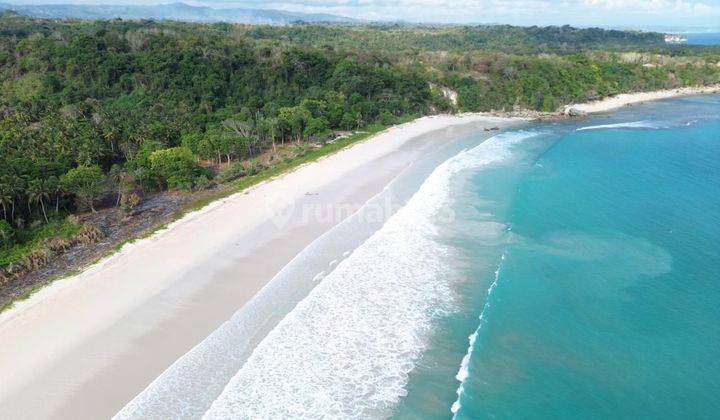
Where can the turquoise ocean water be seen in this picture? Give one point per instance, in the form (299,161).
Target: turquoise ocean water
(592,275)
(555,270)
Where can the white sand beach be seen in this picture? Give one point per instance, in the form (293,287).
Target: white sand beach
(86,345)
(625,99)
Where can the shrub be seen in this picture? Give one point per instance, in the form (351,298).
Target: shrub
(192,142)
(86,182)
(141,159)
(56,244)
(37,258)
(301,150)
(201,182)
(255,167)
(386,118)
(316,128)
(232,173)
(89,234)
(129,201)
(175,167)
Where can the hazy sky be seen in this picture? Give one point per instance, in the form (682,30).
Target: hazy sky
(608,13)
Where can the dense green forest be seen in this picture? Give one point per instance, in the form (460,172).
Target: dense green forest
(509,39)
(108,111)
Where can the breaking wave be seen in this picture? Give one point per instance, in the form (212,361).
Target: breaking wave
(347,349)
(635,124)
(465,364)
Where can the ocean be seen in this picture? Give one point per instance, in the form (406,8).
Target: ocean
(703,38)
(601,299)
(563,269)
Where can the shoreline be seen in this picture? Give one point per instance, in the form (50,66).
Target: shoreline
(186,209)
(628,99)
(136,311)
(155,288)
(194,208)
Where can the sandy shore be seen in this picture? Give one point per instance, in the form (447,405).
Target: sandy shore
(86,345)
(625,99)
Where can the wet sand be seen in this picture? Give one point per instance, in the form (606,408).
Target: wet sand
(85,346)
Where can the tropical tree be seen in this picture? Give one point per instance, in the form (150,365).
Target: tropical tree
(7,234)
(15,187)
(86,182)
(175,167)
(240,128)
(115,175)
(316,127)
(269,128)
(293,120)
(38,192)
(54,187)
(244,130)
(5,198)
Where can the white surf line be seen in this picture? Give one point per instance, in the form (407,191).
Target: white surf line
(465,364)
(190,372)
(634,124)
(346,350)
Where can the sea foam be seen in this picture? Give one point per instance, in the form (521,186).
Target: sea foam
(634,124)
(345,351)
(464,371)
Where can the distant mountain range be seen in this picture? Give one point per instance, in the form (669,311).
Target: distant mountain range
(172,11)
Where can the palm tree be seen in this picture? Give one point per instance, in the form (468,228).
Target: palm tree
(15,186)
(116,176)
(5,198)
(5,195)
(6,234)
(37,192)
(53,186)
(273,127)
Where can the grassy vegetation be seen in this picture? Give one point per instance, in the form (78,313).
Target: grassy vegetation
(67,230)
(269,173)
(30,239)
(130,108)
(127,109)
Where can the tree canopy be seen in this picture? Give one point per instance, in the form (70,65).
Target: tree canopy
(119,108)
